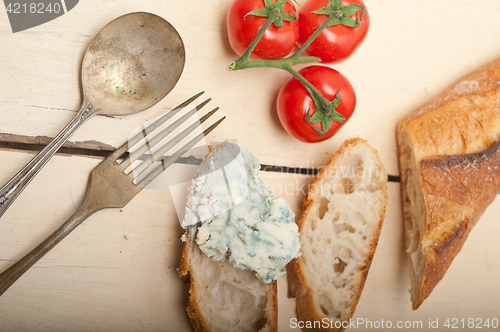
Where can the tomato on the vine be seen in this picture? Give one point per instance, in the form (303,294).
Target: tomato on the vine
(335,43)
(242,28)
(294,102)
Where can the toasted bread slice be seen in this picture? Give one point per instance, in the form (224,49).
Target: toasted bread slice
(449,163)
(339,229)
(225,298)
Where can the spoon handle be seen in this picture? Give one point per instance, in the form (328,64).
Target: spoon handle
(12,189)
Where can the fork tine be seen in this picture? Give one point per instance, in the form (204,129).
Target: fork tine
(118,152)
(162,134)
(167,161)
(151,128)
(209,114)
(158,137)
(139,136)
(170,144)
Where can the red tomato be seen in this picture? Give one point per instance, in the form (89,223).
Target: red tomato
(335,43)
(294,101)
(275,44)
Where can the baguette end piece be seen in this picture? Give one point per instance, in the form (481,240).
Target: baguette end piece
(447,162)
(443,199)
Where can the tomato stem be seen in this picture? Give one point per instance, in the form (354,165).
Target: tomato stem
(274,14)
(244,62)
(313,36)
(325,105)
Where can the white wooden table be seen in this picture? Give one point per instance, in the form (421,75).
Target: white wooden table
(117,272)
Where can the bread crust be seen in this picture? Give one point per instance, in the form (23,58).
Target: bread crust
(298,285)
(197,318)
(464,119)
(455,144)
(455,197)
(198,322)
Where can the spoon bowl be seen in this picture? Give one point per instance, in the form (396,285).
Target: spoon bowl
(131,64)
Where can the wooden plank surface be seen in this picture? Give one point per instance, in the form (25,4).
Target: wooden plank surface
(100,279)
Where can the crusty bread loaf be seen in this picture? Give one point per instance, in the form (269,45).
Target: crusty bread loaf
(449,163)
(225,298)
(339,229)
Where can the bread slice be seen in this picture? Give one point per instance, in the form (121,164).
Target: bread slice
(449,164)
(225,298)
(238,236)
(339,229)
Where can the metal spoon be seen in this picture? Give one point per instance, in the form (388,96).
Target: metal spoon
(129,66)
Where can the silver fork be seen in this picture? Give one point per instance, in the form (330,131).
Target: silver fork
(110,186)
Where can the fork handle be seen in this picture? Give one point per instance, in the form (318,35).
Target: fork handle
(12,189)
(9,276)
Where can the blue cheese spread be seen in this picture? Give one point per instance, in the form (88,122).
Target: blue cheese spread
(237,217)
